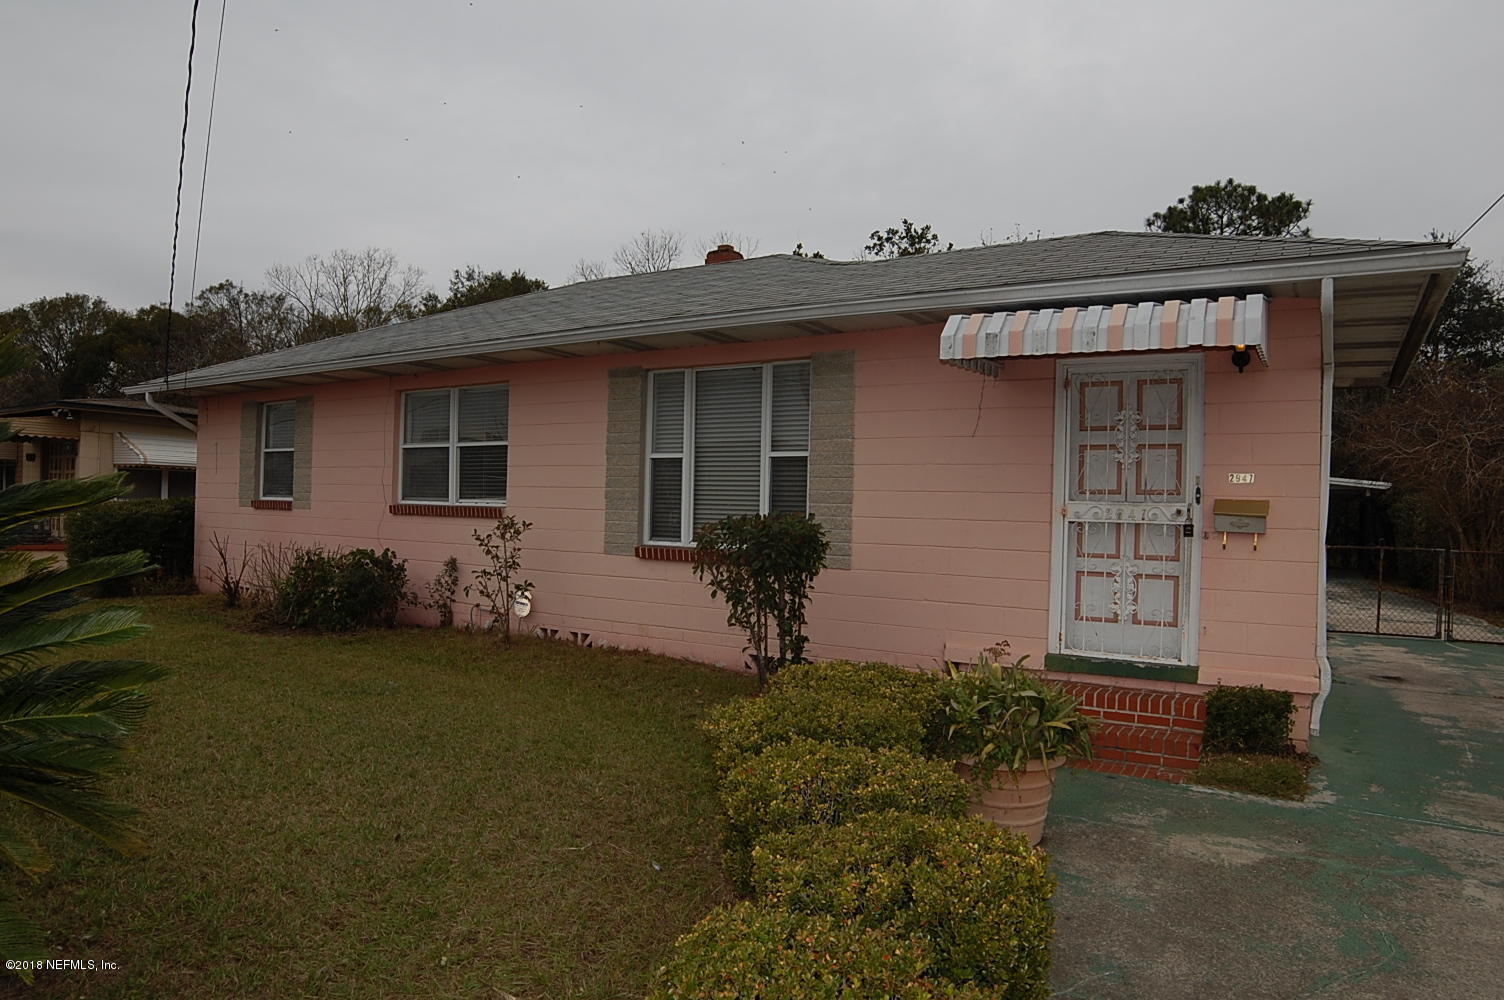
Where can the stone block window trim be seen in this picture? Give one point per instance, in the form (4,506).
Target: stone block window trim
(832,388)
(276,454)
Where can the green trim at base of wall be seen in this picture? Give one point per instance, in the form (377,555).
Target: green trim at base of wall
(1069,664)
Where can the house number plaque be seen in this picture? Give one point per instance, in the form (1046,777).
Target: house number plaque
(1240,477)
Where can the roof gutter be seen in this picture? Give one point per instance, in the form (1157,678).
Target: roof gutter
(1139,284)
(174,417)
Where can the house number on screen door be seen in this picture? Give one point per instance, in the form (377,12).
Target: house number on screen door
(1240,477)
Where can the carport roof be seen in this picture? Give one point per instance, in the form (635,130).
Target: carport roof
(1387,294)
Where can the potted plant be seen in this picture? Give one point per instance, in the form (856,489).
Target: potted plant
(1007,728)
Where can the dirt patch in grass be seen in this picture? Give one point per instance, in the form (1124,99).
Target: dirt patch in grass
(404,813)
(1278,776)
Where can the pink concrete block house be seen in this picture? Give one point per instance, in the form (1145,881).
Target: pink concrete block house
(1109,449)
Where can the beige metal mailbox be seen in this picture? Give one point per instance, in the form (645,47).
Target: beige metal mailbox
(1246,517)
(1243,517)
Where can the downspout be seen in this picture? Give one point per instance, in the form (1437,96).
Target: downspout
(174,417)
(1328,379)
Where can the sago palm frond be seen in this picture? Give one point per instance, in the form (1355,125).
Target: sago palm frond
(74,798)
(103,627)
(20,940)
(60,585)
(23,852)
(101,699)
(21,505)
(62,725)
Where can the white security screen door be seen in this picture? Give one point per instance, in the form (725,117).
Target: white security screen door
(1132,475)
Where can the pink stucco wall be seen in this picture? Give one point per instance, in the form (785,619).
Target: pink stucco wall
(952,518)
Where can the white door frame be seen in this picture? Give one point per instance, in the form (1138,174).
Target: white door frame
(1193,363)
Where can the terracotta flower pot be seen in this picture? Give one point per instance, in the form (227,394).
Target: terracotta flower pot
(1017,802)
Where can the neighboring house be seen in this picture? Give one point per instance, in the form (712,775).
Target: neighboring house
(74,438)
(1023,442)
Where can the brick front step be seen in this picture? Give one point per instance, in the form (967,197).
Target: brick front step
(1142,733)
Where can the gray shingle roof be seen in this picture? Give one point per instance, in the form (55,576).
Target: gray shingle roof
(784,281)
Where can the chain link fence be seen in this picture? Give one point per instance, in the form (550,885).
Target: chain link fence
(1418,592)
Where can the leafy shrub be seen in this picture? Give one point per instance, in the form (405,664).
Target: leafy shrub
(808,783)
(977,895)
(1001,717)
(163,529)
(1248,720)
(749,952)
(441,591)
(340,591)
(764,566)
(872,705)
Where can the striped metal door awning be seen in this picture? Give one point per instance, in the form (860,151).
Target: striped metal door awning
(979,341)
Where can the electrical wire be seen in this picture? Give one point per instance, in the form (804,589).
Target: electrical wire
(1479,219)
(177,213)
(203,183)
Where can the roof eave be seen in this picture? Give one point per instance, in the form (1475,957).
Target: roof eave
(1445,260)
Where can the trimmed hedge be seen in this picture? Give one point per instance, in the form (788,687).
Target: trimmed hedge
(872,705)
(1248,720)
(809,783)
(749,952)
(163,529)
(978,896)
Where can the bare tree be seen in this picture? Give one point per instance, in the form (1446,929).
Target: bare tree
(1440,440)
(348,290)
(588,270)
(747,245)
(648,251)
(989,237)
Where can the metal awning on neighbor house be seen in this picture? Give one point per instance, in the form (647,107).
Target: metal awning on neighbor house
(980,342)
(144,450)
(33,427)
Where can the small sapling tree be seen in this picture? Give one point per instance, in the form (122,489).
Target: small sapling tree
(763,566)
(493,583)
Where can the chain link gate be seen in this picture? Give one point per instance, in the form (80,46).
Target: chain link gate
(1426,593)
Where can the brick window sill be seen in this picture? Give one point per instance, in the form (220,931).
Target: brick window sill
(272,504)
(446,510)
(665,553)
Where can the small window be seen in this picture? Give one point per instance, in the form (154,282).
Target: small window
(725,441)
(454,445)
(277,424)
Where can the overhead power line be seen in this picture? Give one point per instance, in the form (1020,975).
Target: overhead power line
(1479,219)
(177,212)
(203,183)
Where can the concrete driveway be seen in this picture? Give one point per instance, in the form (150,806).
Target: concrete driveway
(1389,883)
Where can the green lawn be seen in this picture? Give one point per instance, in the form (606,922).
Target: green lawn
(403,814)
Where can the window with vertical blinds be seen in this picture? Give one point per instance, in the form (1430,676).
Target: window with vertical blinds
(454,445)
(725,441)
(278,423)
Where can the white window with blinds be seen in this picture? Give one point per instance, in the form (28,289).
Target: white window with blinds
(278,424)
(454,445)
(725,441)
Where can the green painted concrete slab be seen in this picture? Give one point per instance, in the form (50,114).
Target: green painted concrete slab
(1388,883)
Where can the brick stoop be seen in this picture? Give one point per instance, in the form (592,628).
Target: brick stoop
(1140,733)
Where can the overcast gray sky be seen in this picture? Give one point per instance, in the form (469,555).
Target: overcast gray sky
(528,135)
